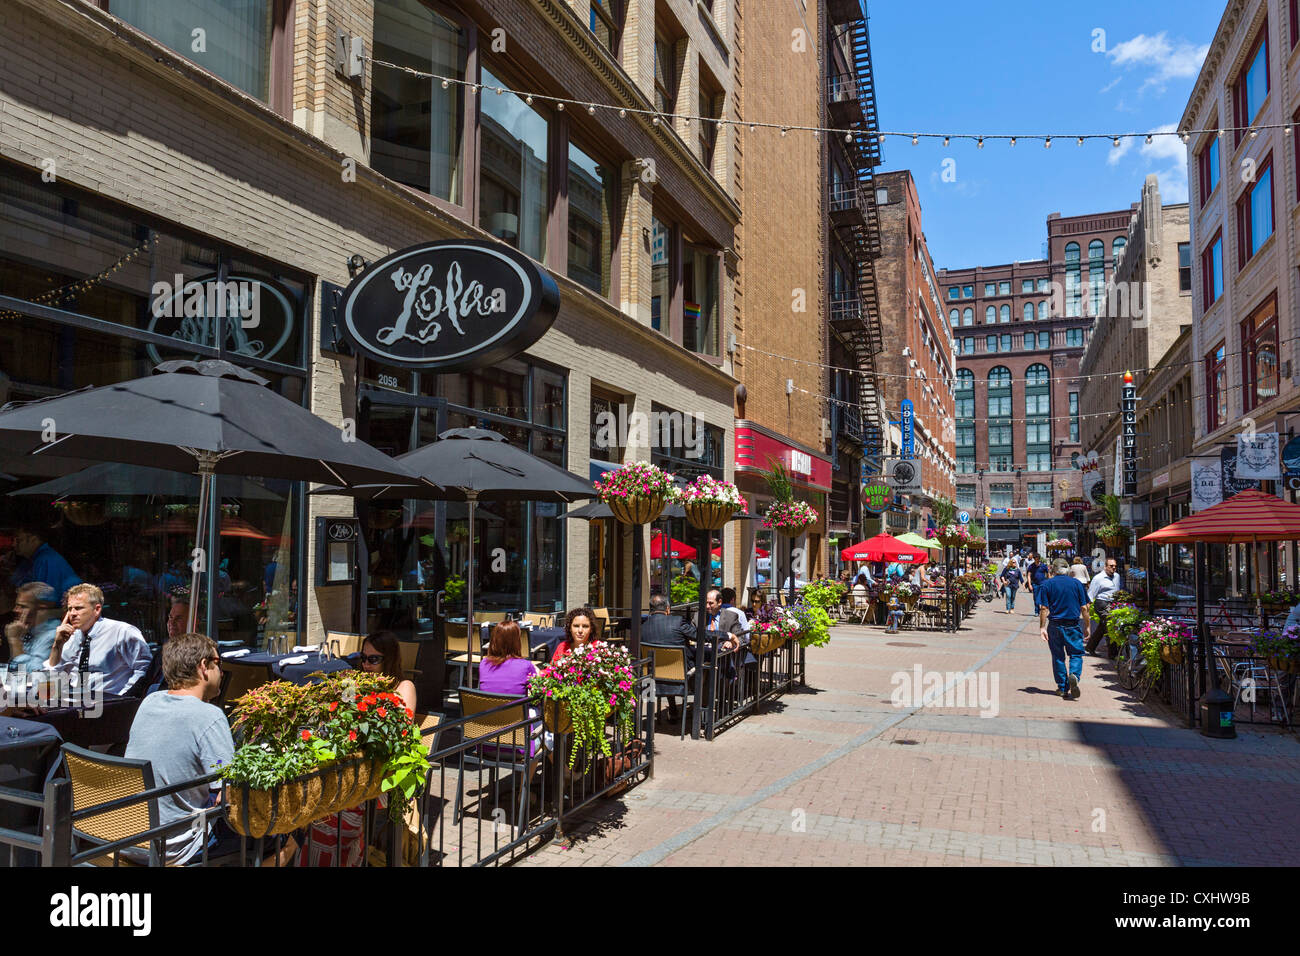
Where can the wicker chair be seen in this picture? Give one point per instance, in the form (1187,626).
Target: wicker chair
(239,680)
(671,677)
(520,750)
(463,653)
(341,644)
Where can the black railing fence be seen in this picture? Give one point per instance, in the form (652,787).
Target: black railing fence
(499,786)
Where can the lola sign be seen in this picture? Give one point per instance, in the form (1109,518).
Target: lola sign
(449,306)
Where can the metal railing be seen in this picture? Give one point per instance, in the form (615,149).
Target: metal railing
(845,307)
(489,799)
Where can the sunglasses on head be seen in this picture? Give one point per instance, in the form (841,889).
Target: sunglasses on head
(371,658)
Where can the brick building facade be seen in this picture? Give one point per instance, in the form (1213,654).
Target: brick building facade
(917,363)
(256,153)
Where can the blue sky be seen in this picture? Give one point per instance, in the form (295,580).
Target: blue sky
(1014,66)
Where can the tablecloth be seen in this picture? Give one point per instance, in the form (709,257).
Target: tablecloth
(28,749)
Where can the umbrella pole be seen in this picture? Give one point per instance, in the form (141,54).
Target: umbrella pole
(1151,579)
(471,497)
(207,466)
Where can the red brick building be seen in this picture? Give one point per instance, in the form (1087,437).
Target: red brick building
(1020,331)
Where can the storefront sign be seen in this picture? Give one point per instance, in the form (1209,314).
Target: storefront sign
(904,476)
(257,316)
(449,306)
(1075,506)
(1291,462)
(1207,483)
(1232,484)
(907,420)
(1257,456)
(1128,432)
(757,449)
(1094,483)
(1160,480)
(876,497)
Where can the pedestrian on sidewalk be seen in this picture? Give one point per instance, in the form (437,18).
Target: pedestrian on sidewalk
(1064,624)
(1039,573)
(1010,584)
(1102,593)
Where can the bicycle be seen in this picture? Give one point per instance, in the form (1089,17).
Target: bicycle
(1133,673)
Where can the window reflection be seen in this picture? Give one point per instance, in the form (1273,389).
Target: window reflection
(513,177)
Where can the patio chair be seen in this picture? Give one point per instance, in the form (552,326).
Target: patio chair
(98,778)
(520,751)
(491,617)
(462,653)
(239,679)
(672,678)
(341,643)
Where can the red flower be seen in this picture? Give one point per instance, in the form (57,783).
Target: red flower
(306,735)
(382,712)
(352,735)
(410,713)
(334,705)
(362,707)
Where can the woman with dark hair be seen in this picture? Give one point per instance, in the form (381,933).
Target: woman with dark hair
(504,669)
(579,626)
(381,653)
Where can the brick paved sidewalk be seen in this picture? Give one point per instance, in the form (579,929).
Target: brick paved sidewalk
(841,774)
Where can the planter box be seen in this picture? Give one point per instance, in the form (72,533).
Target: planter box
(1172,655)
(296,803)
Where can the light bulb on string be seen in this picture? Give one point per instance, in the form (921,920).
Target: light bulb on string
(1115,142)
(591,110)
(529,99)
(622,114)
(980,144)
(446,83)
(1254,134)
(1013,141)
(1080,143)
(913,139)
(1148,139)
(560,107)
(1047,143)
(945,141)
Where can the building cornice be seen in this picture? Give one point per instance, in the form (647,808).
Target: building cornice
(1228,24)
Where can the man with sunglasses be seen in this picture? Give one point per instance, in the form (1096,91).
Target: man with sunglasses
(184,737)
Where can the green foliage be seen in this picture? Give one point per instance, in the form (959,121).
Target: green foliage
(455,588)
(778,481)
(263,767)
(814,624)
(824,594)
(943,511)
(685,589)
(1122,621)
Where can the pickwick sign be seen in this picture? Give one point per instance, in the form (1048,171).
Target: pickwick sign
(449,306)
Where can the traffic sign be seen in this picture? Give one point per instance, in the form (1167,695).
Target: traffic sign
(963,517)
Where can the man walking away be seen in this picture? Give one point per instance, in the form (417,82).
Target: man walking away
(1010,584)
(1039,573)
(1102,593)
(1063,623)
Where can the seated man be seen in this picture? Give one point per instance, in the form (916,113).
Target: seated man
(729,601)
(183,737)
(31,634)
(724,620)
(663,628)
(115,648)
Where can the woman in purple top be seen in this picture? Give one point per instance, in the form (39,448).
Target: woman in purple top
(504,669)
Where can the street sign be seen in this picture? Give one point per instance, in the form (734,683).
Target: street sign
(999,511)
(963,517)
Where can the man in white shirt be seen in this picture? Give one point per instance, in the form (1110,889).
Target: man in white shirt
(1101,592)
(114,648)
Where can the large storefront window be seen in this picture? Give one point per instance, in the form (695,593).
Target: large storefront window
(416,126)
(514,181)
(700,319)
(128,528)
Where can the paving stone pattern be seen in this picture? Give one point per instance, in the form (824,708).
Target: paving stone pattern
(837,774)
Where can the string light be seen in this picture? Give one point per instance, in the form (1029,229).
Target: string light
(1047,143)
(945,141)
(1013,141)
(914,140)
(980,144)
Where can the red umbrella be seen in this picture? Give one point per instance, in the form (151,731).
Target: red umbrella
(717,553)
(676,549)
(885,547)
(1244,518)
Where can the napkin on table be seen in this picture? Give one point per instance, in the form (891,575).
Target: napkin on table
(300,659)
(239,653)
(305,647)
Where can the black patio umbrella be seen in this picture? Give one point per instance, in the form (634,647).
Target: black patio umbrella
(114,480)
(206,417)
(473,465)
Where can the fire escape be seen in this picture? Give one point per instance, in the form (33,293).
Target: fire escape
(855,315)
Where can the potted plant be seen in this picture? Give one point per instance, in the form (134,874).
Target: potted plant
(1059,544)
(1121,622)
(710,502)
(1274,601)
(307,751)
(790,518)
(773,625)
(585,688)
(636,493)
(1112,530)
(812,622)
(1280,649)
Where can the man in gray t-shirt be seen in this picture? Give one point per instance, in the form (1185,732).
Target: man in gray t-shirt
(183,738)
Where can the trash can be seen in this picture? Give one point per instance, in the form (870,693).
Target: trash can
(1216,715)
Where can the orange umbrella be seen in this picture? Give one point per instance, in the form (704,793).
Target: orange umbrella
(231,527)
(1244,518)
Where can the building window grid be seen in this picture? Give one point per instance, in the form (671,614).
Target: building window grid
(1255,213)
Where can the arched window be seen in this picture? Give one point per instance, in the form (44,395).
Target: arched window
(952,318)
(990,315)
(1004,314)
(968,317)
(965,379)
(1073,288)
(1037,374)
(1042,310)
(1000,377)
(1096,276)
(1029,311)
(1116,248)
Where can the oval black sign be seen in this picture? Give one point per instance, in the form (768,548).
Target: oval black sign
(449,306)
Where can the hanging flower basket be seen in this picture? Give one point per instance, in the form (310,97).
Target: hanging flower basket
(709,502)
(790,518)
(636,493)
(1172,653)
(952,536)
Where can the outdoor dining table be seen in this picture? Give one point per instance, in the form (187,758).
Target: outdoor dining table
(29,749)
(287,667)
(85,728)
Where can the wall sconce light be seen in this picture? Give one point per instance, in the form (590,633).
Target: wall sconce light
(356,264)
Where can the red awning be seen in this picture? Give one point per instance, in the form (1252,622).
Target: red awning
(884,547)
(676,549)
(1243,518)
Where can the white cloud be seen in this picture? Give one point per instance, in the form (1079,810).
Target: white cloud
(1111,85)
(1164,60)
(1165,147)
(1116,153)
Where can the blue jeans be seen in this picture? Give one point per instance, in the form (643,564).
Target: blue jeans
(1010,591)
(1060,639)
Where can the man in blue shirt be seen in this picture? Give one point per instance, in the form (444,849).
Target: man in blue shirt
(1038,575)
(41,562)
(1063,623)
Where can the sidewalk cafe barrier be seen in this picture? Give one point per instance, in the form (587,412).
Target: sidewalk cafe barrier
(734,688)
(489,800)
